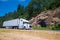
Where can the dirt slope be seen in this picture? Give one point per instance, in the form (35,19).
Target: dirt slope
(9,34)
(50,17)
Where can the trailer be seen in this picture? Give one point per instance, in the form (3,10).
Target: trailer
(17,24)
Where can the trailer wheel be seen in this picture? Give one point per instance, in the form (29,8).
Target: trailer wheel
(14,27)
(24,27)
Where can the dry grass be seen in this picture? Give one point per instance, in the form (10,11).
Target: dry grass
(14,34)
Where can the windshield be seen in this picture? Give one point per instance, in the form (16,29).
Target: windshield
(25,23)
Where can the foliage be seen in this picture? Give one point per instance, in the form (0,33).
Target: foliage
(37,6)
(57,27)
(41,28)
(1,21)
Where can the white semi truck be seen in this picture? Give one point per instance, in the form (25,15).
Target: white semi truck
(17,24)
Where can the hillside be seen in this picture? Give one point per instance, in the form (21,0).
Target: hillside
(49,17)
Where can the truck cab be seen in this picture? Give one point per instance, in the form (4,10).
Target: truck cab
(24,24)
(27,25)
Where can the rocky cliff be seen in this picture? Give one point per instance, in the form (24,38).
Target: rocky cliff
(47,18)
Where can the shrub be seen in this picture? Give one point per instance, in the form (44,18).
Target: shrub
(57,27)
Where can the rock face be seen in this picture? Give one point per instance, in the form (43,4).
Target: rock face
(47,18)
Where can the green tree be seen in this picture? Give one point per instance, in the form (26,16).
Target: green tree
(20,9)
(1,21)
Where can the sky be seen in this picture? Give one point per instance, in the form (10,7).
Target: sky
(11,5)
